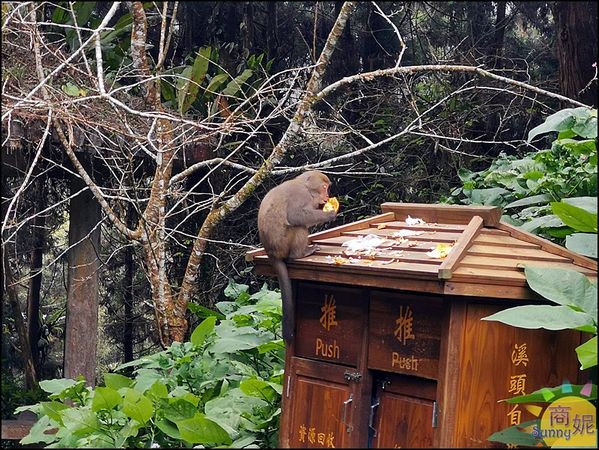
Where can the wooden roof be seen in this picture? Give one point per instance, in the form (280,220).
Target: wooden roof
(486,259)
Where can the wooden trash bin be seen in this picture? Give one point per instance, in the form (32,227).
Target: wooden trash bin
(390,349)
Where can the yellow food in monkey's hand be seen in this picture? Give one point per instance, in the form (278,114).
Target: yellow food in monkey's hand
(331,205)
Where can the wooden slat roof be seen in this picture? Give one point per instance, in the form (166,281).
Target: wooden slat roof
(487,257)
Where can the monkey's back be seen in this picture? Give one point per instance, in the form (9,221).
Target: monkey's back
(276,235)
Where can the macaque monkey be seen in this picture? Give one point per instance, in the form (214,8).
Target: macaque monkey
(284,216)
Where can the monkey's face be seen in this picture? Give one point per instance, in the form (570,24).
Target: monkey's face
(324,193)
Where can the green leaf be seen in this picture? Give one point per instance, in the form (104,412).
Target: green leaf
(234,290)
(490,196)
(137,406)
(187,90)
(116,381)
(168,428)
(589,204)
(520,434)
(57,385)
(179,409)
(105,398)
(203,312)
(548,221)
(200,430)
(575,217)
(146,378)
(202,330)
(236,84)
(37,432)
(543,316)
(560,121)
(583,244)
(158,390)
(563,286)
(258,388)
(216,82)
(80,420)
(587,353)
(549,395)
(526,201)
(52,410)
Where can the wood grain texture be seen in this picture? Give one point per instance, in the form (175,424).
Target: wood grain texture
(493,367)
(405,334)
(459,249)
(439,213)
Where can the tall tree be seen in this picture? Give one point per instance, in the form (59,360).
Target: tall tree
(576,24)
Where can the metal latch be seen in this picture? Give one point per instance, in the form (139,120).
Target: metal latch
(435,423)
(352,376)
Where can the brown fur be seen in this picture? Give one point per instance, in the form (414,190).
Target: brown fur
(285,214)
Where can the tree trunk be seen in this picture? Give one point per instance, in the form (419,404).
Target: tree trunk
(577,49)
(9,289)
(128,295)
(35,283)
(81,334)
(498,37)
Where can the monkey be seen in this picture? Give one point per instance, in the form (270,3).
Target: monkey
(284,216)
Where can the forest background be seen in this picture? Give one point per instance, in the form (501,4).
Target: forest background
(143,135)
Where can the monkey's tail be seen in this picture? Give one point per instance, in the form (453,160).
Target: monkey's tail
(287,297)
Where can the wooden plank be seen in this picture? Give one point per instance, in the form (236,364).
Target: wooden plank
(417,282)
(439,213)
(15,430)
(432,235)
(382,255)
(487,290)
(511,277)
(362,265)
(509,263)
(516,253)
(360,224)
(401,225)
(414,350)
(549,246)
(504,240)
(458,251)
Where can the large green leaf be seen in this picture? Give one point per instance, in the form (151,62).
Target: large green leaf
(258,388)
(575,217)
(587,353)
(520,434)
(202,330)
(200,430)
(188,88)
(589,204)
(563,286)
(216,82)
(527,201)
(548,221)
(105,398)
(168,428)
(583,243)
(579,120)
(548,395)
(116,381)
(137,406)
(57,385)
(80,420)
(236,84)
(37,432)
(52,410)
(543,316)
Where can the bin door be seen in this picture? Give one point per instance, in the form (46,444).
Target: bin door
(322,406)
(404,413)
